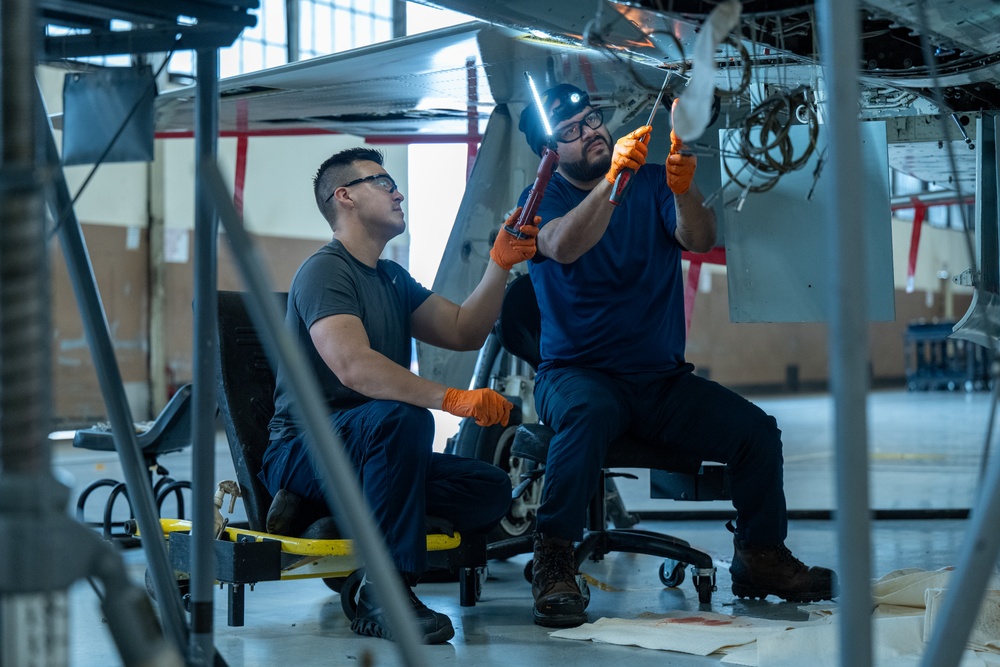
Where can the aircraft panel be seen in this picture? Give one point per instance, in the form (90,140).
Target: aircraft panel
(777,245)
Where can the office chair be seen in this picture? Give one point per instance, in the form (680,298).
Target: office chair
(519,329)
(169,432)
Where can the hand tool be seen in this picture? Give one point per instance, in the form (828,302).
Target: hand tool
(625,175)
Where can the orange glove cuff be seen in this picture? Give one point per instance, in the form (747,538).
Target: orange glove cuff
(630,152)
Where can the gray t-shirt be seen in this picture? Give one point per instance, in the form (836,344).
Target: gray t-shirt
(333,282)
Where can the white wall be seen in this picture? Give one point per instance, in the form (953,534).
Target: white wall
(277,194)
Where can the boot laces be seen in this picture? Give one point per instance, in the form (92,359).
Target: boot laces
(785,557)
(415,602)
(558,563)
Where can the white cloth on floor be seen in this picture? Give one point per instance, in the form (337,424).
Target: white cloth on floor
(907,603)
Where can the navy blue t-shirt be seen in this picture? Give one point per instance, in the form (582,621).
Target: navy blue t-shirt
(333,282)
(620,306)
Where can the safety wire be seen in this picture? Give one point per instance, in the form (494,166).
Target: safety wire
(763,140)
(135,107)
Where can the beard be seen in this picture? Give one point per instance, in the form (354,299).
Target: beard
(586,170)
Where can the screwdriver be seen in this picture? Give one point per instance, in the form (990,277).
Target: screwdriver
(624,178)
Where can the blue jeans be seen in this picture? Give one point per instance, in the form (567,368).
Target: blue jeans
(403,480)
(692,418)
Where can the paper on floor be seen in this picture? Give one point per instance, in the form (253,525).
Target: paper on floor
(896,642)
(697,633)
(900,621)
(906,587)
(985,632)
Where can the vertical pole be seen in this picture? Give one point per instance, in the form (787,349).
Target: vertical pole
(95,326)
(33,614)
(292,21)
(204,351)
(398,18)
(839,44)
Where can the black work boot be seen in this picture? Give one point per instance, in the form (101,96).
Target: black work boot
(370,619)
(290,514)
(558,601)
(773,570)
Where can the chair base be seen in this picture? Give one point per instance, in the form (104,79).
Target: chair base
(596,544)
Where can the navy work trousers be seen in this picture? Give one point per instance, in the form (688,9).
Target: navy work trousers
(690,417)
(403,480)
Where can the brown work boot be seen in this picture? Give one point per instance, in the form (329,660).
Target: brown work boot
(558,601)
(773,570)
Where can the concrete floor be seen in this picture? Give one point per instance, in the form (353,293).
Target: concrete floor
(926,454)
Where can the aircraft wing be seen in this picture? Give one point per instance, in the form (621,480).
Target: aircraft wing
(412,86)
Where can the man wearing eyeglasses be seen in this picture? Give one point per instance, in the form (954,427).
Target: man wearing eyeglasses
(354,315)
(609,287)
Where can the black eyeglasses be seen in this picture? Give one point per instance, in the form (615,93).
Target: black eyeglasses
(570,133)
(383,181)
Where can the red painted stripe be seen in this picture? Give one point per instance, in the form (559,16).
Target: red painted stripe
(690,292)
(919,211)
(713,256)
(242,145)
(284,132)
(386,139)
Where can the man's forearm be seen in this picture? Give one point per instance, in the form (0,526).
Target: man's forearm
(376,376)
(479,311)
(565,239)
(696,224)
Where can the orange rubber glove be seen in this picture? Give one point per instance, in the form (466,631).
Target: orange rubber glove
(680,165)
(486,406)
(630,152)
(509,250)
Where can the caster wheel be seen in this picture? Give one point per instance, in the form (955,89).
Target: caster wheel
(335,584)
(528,567)
(671,573)
(349,591)
(705,587)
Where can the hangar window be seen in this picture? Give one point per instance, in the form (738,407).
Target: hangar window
(331,26)
(323,27)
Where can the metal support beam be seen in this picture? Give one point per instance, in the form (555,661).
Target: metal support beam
(95,325)
(44,551)
(981,322)
(153,40)
(204,358)
(293,20)
(978,556)
(848,333)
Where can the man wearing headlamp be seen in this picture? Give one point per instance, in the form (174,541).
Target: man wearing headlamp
(609,287)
